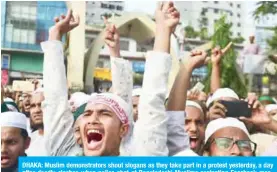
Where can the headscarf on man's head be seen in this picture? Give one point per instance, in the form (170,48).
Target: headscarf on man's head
(77,99)
(10,104)
(267,98)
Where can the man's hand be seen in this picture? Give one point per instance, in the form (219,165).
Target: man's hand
(63,25)
(111,37)
(167,16)
(259,115)
(197,59)
(217,53)
(217,111)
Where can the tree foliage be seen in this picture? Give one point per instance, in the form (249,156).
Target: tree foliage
(190,32)
(264,8)
(229,75)
(273,41)
(238,40)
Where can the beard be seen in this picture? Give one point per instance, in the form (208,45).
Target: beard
(35,126)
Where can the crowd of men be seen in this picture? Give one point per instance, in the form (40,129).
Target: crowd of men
(146,121)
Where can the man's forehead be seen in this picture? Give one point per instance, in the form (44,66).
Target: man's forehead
(10,131)
(97,107)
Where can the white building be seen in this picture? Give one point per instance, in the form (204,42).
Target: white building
(211,11)
(262,29)
(96,9)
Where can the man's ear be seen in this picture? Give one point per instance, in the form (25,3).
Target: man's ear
(124,130)
(27,143)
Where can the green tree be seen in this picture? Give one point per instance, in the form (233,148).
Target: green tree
(229,75)
(238,40)
(264,8)
(273,41)
(204,33)
(190,32)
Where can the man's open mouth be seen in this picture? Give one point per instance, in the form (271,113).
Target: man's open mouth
(27,106)
(94,138)
(4,159)
(193,142)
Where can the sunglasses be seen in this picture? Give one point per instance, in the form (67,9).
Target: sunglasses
(224,143)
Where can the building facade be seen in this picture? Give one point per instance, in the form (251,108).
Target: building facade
(95,10)
(263,32)
(24,25)
(205,13)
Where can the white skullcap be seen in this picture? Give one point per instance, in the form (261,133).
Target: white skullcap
(271,107)
(220,123)
(194,104)
(7,99)
(13,119)
(137,92)
(78,99)
(220,93)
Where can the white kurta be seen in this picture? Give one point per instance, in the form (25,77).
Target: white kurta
(37,147)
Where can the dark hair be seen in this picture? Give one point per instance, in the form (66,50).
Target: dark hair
(24,134)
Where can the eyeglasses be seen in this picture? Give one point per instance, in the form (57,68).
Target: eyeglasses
(225,143)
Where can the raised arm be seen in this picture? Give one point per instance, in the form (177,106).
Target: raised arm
(57,118)
(178,140)
(150,133)
(122,76)
(217,54)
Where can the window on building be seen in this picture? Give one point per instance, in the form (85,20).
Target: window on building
(119,8)
(104,5)
(239,25)
(124,45)
(215,20)
(231,33)
(238,15)
(21,21)
(238,5)
(231,23)
(231,13)
(216,2)
(215,10)
(231,4)
(5,59)
(112,7)
(239,34)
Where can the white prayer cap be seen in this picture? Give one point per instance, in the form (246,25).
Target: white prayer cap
(220,93)
(78,99)
(7,99)
(271,107)
(194,104)
(220,123)
(13,119)
(136,92)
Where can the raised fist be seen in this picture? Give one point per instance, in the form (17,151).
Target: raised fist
(167,16)
(63,25)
